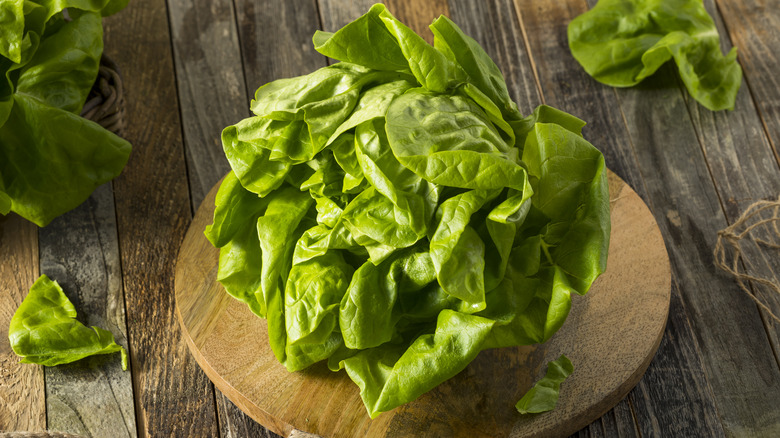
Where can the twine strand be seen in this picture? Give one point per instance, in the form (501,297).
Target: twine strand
(752,219)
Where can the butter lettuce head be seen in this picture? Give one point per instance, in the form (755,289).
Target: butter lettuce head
(50,158)
(395,214)
(622,42)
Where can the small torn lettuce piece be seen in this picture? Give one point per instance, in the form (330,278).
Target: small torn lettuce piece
(544,395)
(44,329)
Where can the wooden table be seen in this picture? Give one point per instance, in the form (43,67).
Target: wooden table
(191,67)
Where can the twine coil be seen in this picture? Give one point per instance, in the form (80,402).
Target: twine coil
(761,217)
(105,103)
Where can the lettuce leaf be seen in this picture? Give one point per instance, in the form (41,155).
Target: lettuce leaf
(544,395)
(50,158)
(621,42)
(44,329)
(395,214)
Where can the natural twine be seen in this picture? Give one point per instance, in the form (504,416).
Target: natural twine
(760,216)
(106,102)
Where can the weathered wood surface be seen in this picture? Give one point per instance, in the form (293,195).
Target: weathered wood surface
(742,161)
(79,250)
(716,371)
(22,395)
(754,27)
(275,39)
(613,334)
(173,396)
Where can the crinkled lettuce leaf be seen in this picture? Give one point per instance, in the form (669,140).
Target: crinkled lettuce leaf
(395,214)
(621,42)
(50,158)
(44,329)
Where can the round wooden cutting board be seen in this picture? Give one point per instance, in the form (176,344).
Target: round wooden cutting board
(611,335)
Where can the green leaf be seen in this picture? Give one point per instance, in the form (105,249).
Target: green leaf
(50,159)
(368,312)
(457,251)
(621,42)
(391,376)
(234,231)
(481,70)
(64,67)
(61,171)
(544,395)
(449,140)
(278,230)
(312,295)
(365,41)
(11,29)
(44,329)
(432,69)
(569,180)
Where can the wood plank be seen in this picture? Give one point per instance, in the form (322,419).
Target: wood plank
(670,399)
(494,25)
(418,15)
(211,87)
(275,40)
(233,422)
(741,161)
(79,250)
(737,357)
(754,27)
(661,392)
(22,396)
(173,396)
(212,95)
(336,14)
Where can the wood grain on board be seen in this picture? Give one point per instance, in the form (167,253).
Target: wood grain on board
(22,395)
(611,335)
(173,396)
(674,382)
(79,250)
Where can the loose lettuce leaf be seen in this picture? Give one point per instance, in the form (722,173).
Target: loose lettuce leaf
(544,395)
(60,171)
(621,42)
(44,329)
(445,222)
(50,159)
